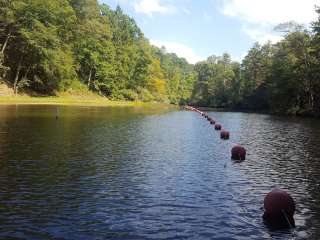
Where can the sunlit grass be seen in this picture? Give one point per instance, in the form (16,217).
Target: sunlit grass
(74,101)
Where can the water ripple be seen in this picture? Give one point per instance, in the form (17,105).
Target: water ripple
(127,173)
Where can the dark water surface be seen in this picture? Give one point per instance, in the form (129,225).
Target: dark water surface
(134,173)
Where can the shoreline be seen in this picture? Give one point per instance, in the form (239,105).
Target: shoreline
(73,101)
(268,112)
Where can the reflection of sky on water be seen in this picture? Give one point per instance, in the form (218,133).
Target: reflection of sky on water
(148,174)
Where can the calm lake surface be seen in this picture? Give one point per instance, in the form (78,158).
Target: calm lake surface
(148,173)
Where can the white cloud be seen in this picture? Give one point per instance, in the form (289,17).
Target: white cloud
(261,35)
(240,57)
(180,49)
(152,6)
(261,16)
(272,11)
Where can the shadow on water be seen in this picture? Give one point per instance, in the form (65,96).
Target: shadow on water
(136,173)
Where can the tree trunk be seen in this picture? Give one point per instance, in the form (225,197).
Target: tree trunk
(26,73)
(310,87)
(16,79)
(89,79)
(6,43)
(311,98)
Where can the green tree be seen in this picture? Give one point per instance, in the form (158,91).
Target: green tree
(37,51)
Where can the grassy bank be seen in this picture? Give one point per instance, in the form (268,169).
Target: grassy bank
(69,100)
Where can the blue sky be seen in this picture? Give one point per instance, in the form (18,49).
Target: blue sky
(196,29)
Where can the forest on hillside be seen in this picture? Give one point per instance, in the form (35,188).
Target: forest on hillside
(57,45)
(53,46)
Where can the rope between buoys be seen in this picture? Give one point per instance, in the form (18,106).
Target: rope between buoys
(240,158)
(288,221)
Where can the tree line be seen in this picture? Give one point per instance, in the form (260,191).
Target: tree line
(282,77)
(58,45)
(47,47)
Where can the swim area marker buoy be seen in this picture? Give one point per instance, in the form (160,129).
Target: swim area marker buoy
(238,153)
(225,135)
(217,127)
(279,209)
(279,206)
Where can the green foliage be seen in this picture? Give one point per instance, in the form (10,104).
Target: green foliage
(3,68)
(48,46)
(145,95)
(156,78)
(79,45)
(128,94)
(282,77)
(178,74)
(288,83)
(216,84)
(37,48)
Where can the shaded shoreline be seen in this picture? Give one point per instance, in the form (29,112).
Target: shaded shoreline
(243,110)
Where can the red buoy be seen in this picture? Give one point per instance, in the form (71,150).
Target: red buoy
(224,135)
(238,153)
(217,127)
(279,209)
(212,122)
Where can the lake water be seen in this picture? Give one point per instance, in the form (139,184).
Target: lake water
(152,173)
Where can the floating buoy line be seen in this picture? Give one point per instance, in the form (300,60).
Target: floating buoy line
(279,206)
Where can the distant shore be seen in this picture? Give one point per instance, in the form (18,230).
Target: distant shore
(260,111)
